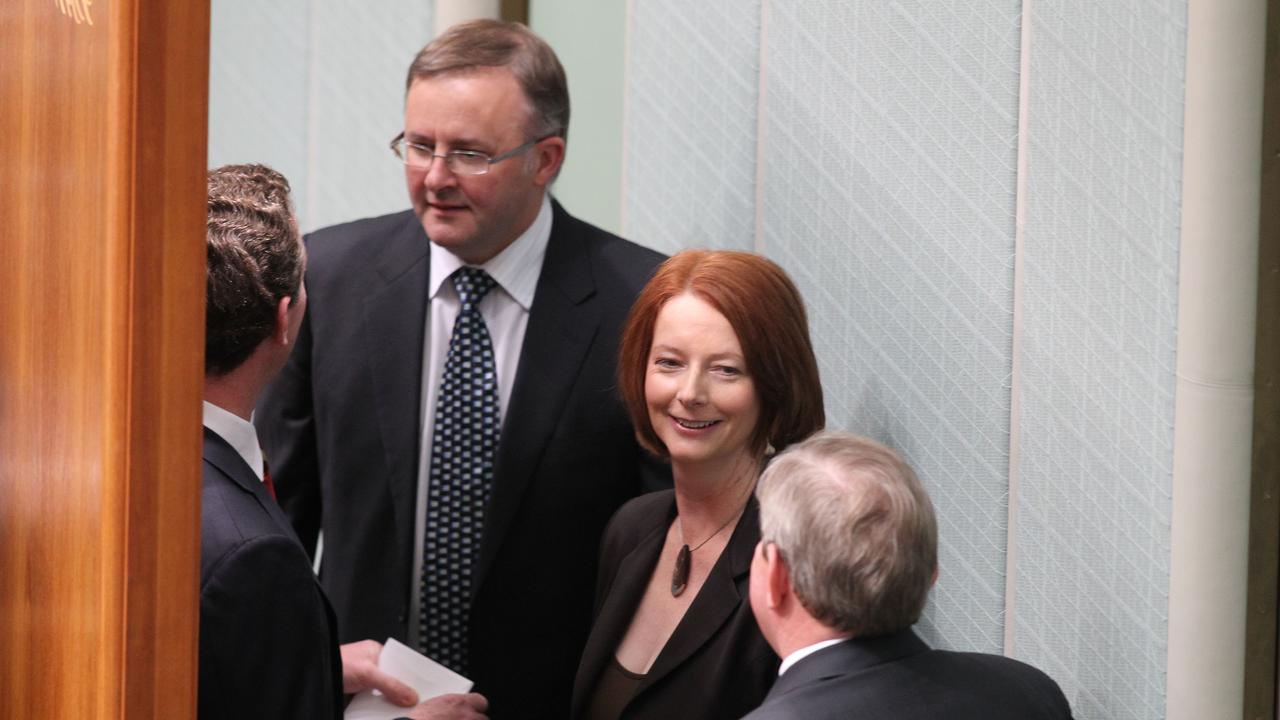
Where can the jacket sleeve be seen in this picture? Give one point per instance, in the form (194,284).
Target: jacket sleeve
(266,650)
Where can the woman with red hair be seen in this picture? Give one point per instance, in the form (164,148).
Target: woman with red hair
(717,372)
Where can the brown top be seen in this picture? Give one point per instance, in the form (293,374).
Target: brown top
(613,692)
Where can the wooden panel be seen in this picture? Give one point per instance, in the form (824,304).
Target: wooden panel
(1264,514)
(102,152)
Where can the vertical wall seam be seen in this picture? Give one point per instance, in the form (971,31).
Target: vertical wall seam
(623,167)
(313,118)
(1015,371)
(759,244)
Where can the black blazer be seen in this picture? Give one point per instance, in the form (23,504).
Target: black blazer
(898,677)
(341,426)
(716,663)
(268,640)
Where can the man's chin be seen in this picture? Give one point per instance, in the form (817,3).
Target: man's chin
(445,232)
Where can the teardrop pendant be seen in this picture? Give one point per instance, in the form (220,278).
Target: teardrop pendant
(680,576)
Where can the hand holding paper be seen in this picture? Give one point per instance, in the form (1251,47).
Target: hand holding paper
(360,672)
(427,677)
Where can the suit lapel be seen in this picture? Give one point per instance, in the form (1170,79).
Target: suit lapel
(562,325)
(395,317)
(219,453)
(620,601)
(717,600)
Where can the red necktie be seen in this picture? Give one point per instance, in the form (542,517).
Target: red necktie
(266,480)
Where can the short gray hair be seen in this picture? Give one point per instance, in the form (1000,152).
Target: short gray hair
(856,529)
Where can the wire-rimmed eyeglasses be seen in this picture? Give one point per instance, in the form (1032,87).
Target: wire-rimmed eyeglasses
(459,162)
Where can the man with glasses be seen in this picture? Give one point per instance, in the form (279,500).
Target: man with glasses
(449,418)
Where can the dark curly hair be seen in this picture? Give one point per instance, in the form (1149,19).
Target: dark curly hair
(255,258)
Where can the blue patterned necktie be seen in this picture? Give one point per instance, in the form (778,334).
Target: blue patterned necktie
(463,445)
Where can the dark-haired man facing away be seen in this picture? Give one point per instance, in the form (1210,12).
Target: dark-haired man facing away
(268,641)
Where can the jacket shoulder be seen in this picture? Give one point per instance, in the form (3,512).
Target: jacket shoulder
(337,245)
(613,257)
(231,520)
(1019,684)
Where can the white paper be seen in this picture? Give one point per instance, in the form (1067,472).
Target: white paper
(418,671)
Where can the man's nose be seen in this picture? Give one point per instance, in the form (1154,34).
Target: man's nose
(438,174)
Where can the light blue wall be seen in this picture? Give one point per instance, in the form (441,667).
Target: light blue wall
(888,192)
(692,90)
(1104,172)
(872,149)
(587,36)
(316,90)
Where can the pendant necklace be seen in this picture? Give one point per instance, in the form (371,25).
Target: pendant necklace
(680,576)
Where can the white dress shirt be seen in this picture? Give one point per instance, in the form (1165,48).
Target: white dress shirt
(805,652)
(505,310)
(238,433)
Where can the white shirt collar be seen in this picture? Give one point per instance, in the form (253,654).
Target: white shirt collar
(515,269)
(238,433)
(805,652)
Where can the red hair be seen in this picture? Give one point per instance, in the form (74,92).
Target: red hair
(766,312)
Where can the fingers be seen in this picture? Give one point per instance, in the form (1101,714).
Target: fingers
(394,690)
(475,701)
(358,659)
(468,706)
(360,672)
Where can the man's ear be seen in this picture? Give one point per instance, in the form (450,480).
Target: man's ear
(777,578)
(549,154)
(281,332)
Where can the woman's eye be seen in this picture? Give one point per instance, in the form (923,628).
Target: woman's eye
(666,363)
(727,370)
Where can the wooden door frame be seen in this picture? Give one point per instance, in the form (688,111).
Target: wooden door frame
(103,148)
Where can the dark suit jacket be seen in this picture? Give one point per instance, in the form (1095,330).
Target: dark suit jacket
(716,664)
(899,677)
(341,426)
(268,639)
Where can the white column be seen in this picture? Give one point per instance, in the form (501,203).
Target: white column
(1213,417)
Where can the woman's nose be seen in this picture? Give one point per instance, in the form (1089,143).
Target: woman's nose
(692,390)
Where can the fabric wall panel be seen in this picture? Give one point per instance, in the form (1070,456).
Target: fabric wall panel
(1104,125)
(690,114)
(256,114)
(889,169)
(316,90)
(359,58)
